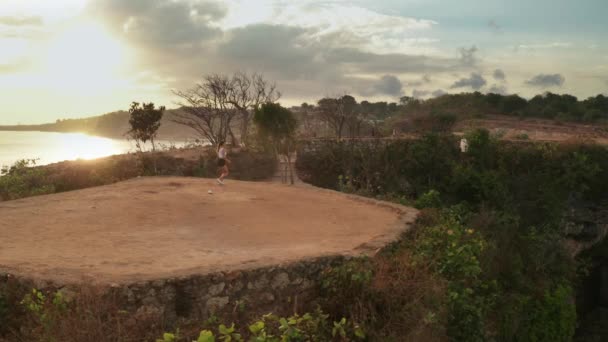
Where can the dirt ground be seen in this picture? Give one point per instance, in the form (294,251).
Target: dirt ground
(151,228)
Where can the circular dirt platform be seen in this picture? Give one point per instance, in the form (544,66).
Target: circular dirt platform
(152,228)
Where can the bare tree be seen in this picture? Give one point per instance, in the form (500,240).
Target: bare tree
(247,93)
(206,108)
(210,108)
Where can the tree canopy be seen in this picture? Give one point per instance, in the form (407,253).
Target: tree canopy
(145,121)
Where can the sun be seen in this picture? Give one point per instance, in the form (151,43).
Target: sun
(72,146)
(85,58)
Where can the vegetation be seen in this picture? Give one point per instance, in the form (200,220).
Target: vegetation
(144,121)
(345,117)
(493,229)
(213,105)
(471,105)
(313,326)
(24,179)
(223,105)
(276,128)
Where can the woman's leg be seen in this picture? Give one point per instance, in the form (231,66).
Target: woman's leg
(224,172)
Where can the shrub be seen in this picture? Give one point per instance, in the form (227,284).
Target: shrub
(87,314)
(430,199)
(314,326)
(509,279)
(23,180)
(456,252)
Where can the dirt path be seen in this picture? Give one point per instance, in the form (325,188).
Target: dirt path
(161,227)
(282,175)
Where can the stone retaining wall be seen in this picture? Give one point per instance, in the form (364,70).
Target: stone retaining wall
(280,289)
(230,296)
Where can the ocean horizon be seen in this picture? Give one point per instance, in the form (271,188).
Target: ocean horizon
(52,147)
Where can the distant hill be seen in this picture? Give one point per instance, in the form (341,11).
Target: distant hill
(111,125)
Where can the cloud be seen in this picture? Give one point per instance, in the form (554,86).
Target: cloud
(425,79)
(425,93)
(364,27)
(389,85)
(14,67)
(499,75)
(21,21)
(420,93)
(275,49)
(544,46)
(467,56)
(498,89)
(360,61)
(546,80)
(438,93)
(180,41)
(475,81)
(494,26)
(161,23)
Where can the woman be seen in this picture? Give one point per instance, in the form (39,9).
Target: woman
(222,163)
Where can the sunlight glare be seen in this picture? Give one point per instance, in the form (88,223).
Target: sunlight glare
(71,146)
(85,58)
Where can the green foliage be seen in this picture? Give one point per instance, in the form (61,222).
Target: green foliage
(276,125)
(201,169)
(349,280)
(46,311)
(310,327)
(23,179)
(144,121)
(456,252)
(168,337)
(430,199)
(500,245)
(554,316)
(548,105)
(205,336)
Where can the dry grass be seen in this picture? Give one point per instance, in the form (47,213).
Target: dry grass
(410,299)
(91,314)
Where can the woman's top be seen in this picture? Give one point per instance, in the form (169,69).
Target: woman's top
(221,153)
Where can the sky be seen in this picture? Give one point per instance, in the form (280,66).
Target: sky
(77,58)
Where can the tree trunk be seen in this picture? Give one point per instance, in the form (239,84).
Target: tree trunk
(234,141)
(245,127)
(289,164)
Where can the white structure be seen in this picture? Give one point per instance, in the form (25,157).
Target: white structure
(464,145)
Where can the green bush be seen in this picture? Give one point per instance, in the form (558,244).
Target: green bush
(430,199)
(23,180)
(309,327)
(550,318)
(456,252)
(513,195)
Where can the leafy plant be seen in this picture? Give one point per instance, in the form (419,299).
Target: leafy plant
(430,199)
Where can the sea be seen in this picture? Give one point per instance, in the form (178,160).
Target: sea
(49,147)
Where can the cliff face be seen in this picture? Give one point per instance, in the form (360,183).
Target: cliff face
(586,226)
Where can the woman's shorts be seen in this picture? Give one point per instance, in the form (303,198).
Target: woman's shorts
(221,162)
